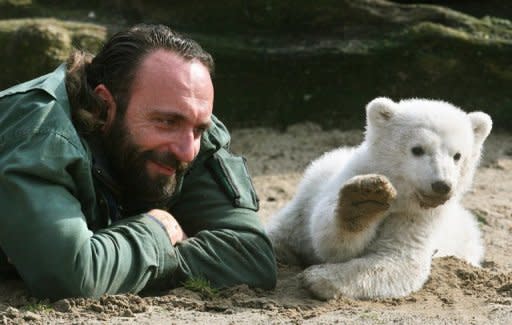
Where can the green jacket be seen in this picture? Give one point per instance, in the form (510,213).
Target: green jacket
(60,227)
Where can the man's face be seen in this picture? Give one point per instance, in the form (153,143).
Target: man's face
(159,135)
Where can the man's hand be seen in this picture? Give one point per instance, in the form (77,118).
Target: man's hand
(173,228)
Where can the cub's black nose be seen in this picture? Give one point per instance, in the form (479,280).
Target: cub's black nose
(441,187)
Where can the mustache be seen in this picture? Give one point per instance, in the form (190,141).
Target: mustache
(166,159)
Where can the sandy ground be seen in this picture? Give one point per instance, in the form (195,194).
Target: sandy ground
(456,292)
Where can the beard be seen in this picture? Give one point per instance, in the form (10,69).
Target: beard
(129,166)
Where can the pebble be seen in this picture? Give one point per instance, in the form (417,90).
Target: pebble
(62,305)
(12,312)
(31,317)
(127,313)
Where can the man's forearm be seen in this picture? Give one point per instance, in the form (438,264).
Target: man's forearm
(226,258)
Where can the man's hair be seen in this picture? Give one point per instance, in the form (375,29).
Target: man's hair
(115,66)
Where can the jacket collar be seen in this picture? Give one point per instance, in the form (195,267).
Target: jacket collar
(52,83)
(101,167)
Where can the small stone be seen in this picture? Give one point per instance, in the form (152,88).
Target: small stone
(411,299)
(127,313)
(12,312)
(31,317)
(62,305)
(97,308)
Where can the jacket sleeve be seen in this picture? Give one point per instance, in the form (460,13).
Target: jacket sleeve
(44,232)
(227,244)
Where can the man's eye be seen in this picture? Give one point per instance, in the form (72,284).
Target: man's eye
(199,131)
(165,122)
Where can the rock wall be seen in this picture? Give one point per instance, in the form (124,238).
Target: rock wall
(32,47)
(282,62)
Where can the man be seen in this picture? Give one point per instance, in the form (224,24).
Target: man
(116,177)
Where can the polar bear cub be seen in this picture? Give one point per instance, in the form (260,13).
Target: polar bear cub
(369,219)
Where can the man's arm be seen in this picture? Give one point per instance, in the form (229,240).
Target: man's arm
(47,197)
(217,210)
(44,233)
(47,200)
(171,226)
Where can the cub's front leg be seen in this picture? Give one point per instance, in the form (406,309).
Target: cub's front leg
(363,200)
(346,221)
(367,277)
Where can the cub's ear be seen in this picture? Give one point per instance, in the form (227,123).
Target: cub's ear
(380,110)
(482,125)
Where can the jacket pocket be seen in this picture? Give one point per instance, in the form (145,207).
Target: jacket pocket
(231,173)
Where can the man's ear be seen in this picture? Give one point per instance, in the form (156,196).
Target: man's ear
(110,104)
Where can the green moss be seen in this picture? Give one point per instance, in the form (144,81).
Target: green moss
(38,307)
(15,8)
(201,286)
(32,47)
(280,82)
(15,3)
(282,62)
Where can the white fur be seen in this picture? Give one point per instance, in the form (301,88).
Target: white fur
(392,256)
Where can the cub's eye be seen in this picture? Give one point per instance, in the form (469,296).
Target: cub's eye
(456,157)
(418,151)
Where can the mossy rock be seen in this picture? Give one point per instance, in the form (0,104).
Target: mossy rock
(286,61)
(32,47)
(330,81)
(16,8)
(342,18)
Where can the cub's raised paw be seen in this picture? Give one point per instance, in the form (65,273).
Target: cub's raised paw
(364,198)
(370,188)
(317,280)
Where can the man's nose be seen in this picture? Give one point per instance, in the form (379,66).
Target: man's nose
(186,147)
